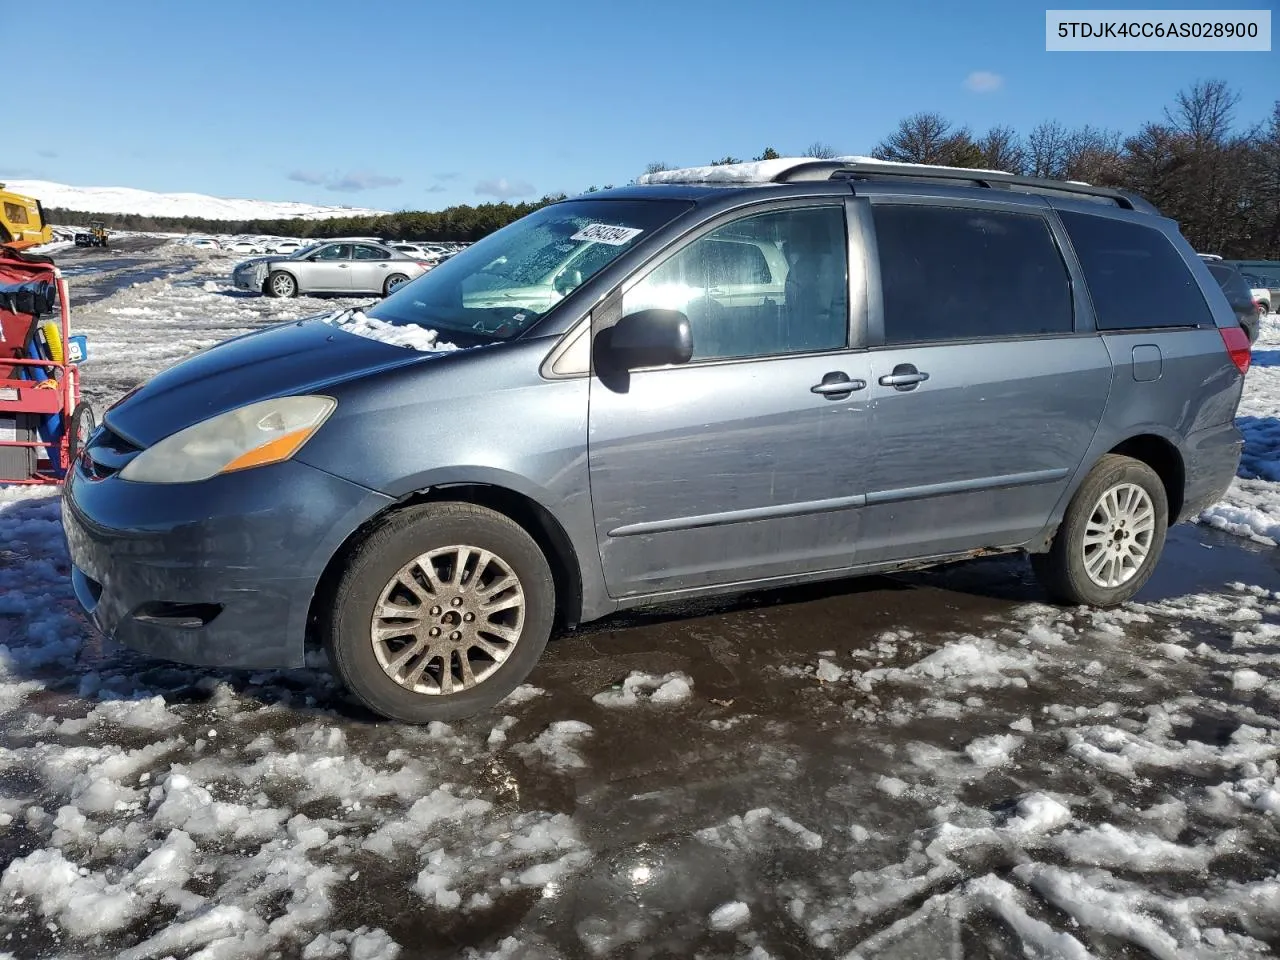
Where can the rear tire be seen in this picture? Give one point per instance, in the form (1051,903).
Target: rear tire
(483,613)
(393,281)
(1111,536)
(281,285)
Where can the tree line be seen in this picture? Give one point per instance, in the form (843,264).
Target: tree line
(1219,178)
(462,223)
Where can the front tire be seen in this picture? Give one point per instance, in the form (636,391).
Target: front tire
(281,284)
(441,612)
(1111,536)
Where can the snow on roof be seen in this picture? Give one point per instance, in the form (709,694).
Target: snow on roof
(764,171)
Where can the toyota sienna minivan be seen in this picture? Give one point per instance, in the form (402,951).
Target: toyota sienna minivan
(750,376)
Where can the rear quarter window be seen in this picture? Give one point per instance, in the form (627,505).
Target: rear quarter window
(1137,279)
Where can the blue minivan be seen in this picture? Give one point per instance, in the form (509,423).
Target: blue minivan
(719,379)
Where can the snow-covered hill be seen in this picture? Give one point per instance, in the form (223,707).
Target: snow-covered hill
(147,203)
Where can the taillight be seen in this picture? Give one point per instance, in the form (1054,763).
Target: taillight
(1237,343)
(426,265)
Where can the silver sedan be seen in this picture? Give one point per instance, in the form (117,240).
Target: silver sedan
(339,267)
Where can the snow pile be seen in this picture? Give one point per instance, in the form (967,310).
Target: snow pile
(967,663)
(558,745)
(640,687)
(759,827)
(729,916)
(149,204)
(398,335)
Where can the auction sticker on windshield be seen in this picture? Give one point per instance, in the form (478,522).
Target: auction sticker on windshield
(603,233)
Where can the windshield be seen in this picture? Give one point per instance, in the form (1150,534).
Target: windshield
(505,283)
(304,251)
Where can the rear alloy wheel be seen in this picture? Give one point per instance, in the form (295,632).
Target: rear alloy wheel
(394,282)
(1111,537)
(441,613)
(281,285)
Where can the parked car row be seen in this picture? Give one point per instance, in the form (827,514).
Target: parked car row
(435,252)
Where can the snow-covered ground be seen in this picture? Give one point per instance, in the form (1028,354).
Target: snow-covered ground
(1252,506)
(853,772)
(150,204)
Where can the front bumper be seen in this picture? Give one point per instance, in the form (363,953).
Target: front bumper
(218,573)
(249,277)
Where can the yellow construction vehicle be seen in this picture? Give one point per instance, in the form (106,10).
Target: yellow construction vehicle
(95,236)
(22,221)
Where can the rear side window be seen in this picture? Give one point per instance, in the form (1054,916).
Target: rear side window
(1136,277)
(951,273)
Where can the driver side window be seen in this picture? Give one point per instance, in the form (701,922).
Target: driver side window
(335,251)
(775,283)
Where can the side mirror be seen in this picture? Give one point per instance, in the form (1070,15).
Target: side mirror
(647,338)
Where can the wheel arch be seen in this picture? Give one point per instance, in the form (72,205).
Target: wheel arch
(273,269)
(1165,459)
(1150,444)
(535,519)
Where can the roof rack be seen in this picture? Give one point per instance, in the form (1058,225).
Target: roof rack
(838,170)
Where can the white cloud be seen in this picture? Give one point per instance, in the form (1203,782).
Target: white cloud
(983,81)
(352,182)
(504,189)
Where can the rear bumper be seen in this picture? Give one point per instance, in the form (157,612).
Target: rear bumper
(217,573)
(1211,457)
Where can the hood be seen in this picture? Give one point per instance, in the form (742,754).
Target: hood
(265,258)
(306,356)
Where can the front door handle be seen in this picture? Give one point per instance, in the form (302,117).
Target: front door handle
(836,385)
(905,376)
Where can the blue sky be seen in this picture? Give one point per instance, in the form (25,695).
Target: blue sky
(418,105)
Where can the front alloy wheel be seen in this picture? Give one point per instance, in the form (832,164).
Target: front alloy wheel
(440,612)
(448,620)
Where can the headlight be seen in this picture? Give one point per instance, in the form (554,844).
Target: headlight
(252,436)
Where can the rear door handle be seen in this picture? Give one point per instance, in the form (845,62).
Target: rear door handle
(904,377)
(836,385)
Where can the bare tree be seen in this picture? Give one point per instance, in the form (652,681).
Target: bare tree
(1002,149)
(929,138)
(1204,111)
(1047,147)
(1094,156)
(820,151)
(655,166)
